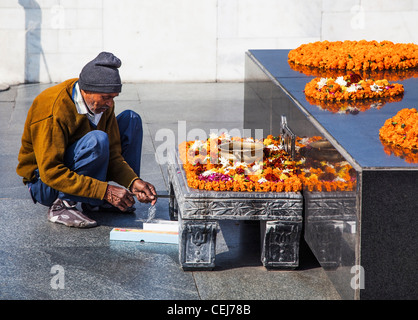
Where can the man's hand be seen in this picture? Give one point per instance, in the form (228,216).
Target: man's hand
(119,197)
(144,191)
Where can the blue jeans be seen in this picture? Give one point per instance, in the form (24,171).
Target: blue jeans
(89,156)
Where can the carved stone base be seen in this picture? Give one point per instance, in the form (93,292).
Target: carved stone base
(280,246)
(199,210)
(197,244)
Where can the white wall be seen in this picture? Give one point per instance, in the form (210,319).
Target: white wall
(181,40)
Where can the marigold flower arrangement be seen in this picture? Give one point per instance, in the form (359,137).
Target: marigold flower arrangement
(351,87)
(401,130)
(207,170)
(356,55)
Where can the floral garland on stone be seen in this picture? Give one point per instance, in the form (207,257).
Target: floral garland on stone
(351,87)
(356,55)
(401,130)
(207,170)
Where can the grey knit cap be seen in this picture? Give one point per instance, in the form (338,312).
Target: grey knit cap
(101,74)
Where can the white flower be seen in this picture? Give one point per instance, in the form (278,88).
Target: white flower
(239,164)
(225,136)
(262,180)
(256,167)
(208,173)
(322,82)
(213,135)
(341,81)
(354,87)
(273,147)
(304,141)
(339,179)
(224,161)
(329,165)
(374,87)
(196,145)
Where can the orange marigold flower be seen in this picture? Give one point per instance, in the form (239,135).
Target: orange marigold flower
(343,88)
(401,130)
(356,55)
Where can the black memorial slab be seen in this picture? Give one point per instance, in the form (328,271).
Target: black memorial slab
(365,238)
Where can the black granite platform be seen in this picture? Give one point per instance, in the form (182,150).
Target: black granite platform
(365,239)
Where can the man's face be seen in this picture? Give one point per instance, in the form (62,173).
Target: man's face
(98,102)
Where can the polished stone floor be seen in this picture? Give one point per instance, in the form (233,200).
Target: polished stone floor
(89,265)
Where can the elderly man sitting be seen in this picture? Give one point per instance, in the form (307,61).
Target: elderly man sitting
(73,144)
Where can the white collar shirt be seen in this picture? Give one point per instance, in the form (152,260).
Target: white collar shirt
(82,107)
